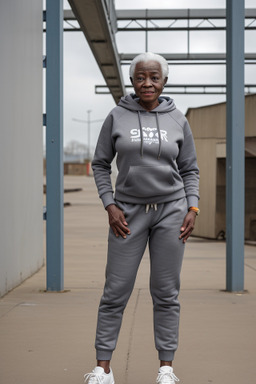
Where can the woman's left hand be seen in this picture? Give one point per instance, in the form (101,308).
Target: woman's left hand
(188,226)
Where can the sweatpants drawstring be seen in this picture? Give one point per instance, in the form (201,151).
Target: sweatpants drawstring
(153,206)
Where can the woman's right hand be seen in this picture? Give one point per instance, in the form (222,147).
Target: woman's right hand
(117,221)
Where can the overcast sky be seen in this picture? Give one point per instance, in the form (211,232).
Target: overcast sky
(81,72)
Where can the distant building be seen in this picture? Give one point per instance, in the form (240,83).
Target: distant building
(74,165)
(70,158)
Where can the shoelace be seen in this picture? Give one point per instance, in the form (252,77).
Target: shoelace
(93,378)
(165,376)
(148,206)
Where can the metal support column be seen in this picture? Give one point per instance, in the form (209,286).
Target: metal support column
(54,143)
(235,146)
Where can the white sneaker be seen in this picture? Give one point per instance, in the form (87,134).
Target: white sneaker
(166,375)
(98,376)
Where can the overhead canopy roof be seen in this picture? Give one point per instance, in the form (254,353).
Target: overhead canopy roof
(98,25)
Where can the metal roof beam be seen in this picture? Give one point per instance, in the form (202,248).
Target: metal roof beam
(68,14)
(192,89)
(98,24)
(188,56)
(170,28)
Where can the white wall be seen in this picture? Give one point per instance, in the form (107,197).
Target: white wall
(21,168)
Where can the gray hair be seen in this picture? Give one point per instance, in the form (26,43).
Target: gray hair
(148,56)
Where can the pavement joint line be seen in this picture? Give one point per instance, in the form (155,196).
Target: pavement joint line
(11,309)
(249,266)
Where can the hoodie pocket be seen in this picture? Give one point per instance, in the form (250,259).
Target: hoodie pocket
(146,181)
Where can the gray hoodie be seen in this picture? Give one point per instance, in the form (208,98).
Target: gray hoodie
(156,156)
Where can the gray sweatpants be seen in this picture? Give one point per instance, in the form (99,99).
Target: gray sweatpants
(160,229)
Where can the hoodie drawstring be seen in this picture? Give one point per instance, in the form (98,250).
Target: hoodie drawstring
(159,137)
(141,136)
(153,206)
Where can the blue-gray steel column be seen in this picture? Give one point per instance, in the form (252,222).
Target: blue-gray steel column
(235,146)
(54,144)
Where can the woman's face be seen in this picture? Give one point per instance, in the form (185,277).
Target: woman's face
(148,83)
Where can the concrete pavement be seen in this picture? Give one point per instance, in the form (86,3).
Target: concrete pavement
(49,337)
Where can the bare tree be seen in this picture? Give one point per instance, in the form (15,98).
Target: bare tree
(75,148)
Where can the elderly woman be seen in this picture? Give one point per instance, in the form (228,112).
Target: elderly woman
(155,202)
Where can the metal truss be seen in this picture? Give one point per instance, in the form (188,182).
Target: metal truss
(187,20)
(178,20)
(168,20)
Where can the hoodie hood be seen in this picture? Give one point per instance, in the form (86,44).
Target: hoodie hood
(131,102)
